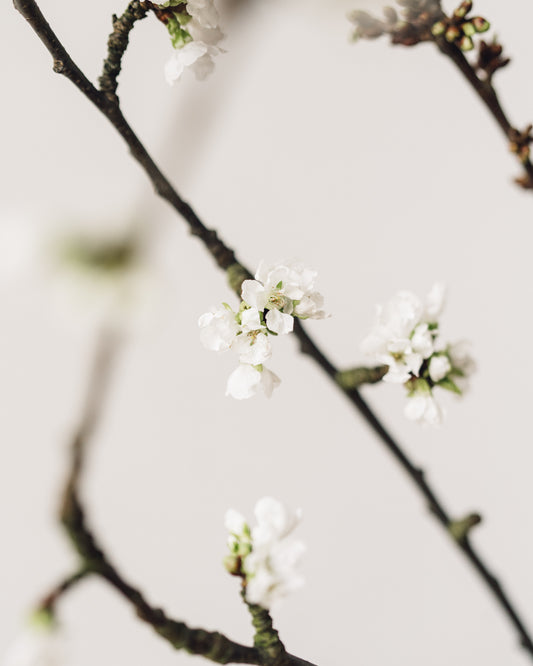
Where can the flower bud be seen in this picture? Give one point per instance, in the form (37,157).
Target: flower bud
(480,24)
(466,44)
(438,28)
(463,9)
(452,34)
(468,29)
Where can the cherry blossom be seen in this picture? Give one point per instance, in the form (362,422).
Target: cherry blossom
(269,304)
(266,556)
(406,340)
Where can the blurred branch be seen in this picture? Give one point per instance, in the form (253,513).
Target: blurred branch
(212,645)
(425,21)
(48,603)
(236,273)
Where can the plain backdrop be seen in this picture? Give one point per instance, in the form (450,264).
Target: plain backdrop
(378,167)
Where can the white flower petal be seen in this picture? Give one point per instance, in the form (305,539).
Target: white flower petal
(435,302)
(422,341)
(195,54)
(253,293)
(269,381)
(398,373)
(279,322)
(253,350)
(424,409)
(37,646)
(234,522)
(461,359)
(243,382)
(439,367)
(218,329)
(413,362)
(251,319)
(204,12)
(310,306)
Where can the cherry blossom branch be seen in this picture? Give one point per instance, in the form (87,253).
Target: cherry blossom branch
(266,639)
(458,530)
(425,21)
(116,47)
(212,645)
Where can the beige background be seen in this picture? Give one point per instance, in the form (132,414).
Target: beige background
(378,167)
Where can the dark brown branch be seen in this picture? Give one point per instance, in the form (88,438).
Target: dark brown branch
(116,47)
(424,21)
(487,93)
(225,258)
(48,602)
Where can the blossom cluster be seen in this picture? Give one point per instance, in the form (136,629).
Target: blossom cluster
(269,304)
(406,339)
(265,557)
(194,32)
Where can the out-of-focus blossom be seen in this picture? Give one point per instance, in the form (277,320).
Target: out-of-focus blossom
(406,340)
(266,556)
(38,644)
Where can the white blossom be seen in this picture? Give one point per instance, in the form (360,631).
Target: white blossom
(39,644)
(269,304)
(272,556)
(222,329)
(253,348)
(424,409)
(197,55)
(439,367)
(286,291)
(203,12)
(463,365)
(235,523)
(435,302)
(218,329)
(406,340)
(396,340)
(246,380)
(459,353)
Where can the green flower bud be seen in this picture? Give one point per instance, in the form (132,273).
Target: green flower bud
(480,24)
(232,563)
(438,28)
(468,29)
(463,9)
(452,34)
(466,44)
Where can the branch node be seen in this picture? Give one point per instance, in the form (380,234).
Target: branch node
(355,377)
(459,529)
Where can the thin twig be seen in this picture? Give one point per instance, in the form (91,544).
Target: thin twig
(419,23)
(49,602)
(225,258)
(117,45)
(266,639)
(487,93)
